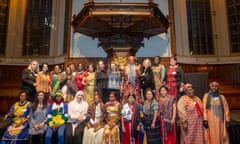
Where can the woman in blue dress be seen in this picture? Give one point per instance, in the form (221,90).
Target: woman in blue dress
(17,130)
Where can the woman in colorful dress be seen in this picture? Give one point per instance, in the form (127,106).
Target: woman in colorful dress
(111,133)
(190,114)
(17,130)
(216,116)
(130,77)
(167,110)
(79,77)
(88,82)
(43,80)
(150,120)
(95,122)
(130,121)
(55,79)
(57,118)
(174,78)
(77,114)
(38,119)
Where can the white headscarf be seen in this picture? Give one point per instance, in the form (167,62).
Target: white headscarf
(78,95)
(77,108)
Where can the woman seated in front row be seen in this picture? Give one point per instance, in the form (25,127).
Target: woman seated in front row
(94,127)
(77,112)
(57,117)
(17,131)
(38,119)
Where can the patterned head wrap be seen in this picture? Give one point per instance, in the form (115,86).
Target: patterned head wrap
(187,86)
(214,84)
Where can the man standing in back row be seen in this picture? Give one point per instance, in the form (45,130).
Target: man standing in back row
(29,79)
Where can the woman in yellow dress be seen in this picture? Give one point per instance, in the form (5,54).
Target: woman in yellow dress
(88,82)
(111,134)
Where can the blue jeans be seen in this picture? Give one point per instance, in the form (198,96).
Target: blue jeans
(60,137)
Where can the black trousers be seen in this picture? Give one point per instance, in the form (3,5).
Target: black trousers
(77,137)
(36,139)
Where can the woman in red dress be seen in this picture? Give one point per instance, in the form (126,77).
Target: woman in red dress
(167,109)
(79,77)
(174,78)
(130,121)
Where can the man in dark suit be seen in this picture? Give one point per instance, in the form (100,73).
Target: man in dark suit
(29,79)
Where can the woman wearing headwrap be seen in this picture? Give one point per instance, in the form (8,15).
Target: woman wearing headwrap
(77,112)
(190,114)
(216,118)
(17,130)
(57,117)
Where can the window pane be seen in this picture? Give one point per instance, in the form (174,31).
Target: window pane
(4,9)
(234,24)
(199,27)
(37,27)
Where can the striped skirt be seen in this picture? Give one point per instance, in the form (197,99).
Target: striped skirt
(153,135)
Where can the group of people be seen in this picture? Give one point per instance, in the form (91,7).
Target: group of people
(132,104)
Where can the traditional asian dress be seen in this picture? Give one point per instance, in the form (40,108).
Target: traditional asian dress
(168,130)
(17,131)
(111,133)
(89,88)
(153,135)
(216,112)
(191,120)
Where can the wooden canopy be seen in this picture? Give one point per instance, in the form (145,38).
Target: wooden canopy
(120,25)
